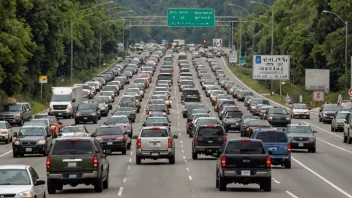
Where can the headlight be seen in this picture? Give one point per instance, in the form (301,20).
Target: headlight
(296,112)
(94,114)
(324,114)
(291,138)
(308,112)
(270,118)
(16,142)
(27,193)
(99,138)
(288,118)
(18,115)
(42,142)
(164,113)
(68,109)
(312,138)
(51,108)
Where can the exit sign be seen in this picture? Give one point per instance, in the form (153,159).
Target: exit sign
(190,17)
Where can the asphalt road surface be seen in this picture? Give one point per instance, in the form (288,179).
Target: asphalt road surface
(325,173)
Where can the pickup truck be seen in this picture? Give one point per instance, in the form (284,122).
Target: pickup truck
(243,161)
(155,142)
(277,143)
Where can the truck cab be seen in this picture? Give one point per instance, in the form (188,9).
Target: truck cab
(65,100)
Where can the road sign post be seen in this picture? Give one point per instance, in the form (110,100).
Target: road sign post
(190,17)
(42,80)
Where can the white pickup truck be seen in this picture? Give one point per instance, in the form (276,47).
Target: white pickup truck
(155,142)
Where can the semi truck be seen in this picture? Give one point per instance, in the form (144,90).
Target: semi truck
(65,100)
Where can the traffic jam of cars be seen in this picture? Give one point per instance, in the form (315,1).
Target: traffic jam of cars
(212,106)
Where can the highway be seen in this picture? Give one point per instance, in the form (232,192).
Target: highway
(325,173)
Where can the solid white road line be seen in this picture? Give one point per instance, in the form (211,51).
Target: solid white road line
(130,159)
(187,169)
(291,194)
(190,178)
(120,192)
(323,178)
(5,153)
(333,145)
(275,180)
(184,157)
(322,129)
(124,180)
(128,167)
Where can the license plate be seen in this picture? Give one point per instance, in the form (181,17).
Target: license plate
(85,118)
(28,149)
(272,149)
(71,164)
(60,113)
(300,144)
(246,172)
(210,141)
(302,113)
(72,176)
(155,144)
(109,143)
(155,154)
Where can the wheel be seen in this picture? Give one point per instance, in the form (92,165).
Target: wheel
(21,155)
(184,116)
(138,160)
(332,128)
(349,140)
(134,120)
(129,146)
(222,184)
(344,138)
(59,186)
(76,122)
(191,135)
(194,155)
(137,110)
(288,165)
(106,182)
(124,152)
(217,181)
(172,160)
(267,184)
(51,186)
(8,140)
(312,150)
(320,120)
(14,154)
(98,186)
(21,122)
(95,121)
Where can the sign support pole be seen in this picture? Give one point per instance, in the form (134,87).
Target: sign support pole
(41,91)
(280,91)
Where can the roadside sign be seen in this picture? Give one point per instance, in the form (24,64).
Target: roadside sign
(349,92)
(43,79)
(190,17)
(233,57)
(242,59)
(271,67)
(318,96)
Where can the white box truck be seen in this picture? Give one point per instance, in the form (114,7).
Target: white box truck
(217,42)
(65,100)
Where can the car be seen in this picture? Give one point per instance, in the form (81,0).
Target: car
(159,108)
(192,117)
(32,140)
(253,106)
(252,162)
(54,123)
(103,107)
(300,110)
(225,108)
(74,131)
(123,121)
(128,111)
(190,95)
(327,112)
(157,121)
(155,142)
(242,95)
(77,160)
(113,138)
(19,180)
(302,136)
(232,120)
(339,119)
(255,124)
(5,132)
(16,113)
(207,140)
(278,116)
(277,144)
(87,112)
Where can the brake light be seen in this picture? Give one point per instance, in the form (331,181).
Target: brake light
(289,148)
(95,161)
(224,139)
(147,112)
(126,126)
(268,162)
(48,163)
(223,162)
(169,143)
(245,140)
(195,140)
(155,128)
(271,131)
(73,140)
(139,144)
(189,125)
(121,138)
(210,126)
(198,97)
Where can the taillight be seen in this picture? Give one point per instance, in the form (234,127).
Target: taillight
(268,162)
(121,138)
(139,143)
(147,112)
(289,148)
(169,143)
(224,139)
(95,161)
(195,140)
(126,126)
(48,163)
(223,161)
(198,97)
(188,125)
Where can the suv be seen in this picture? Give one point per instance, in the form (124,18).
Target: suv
(278,116)
(327,112)
(16,113)
(113,138)
(77,160)
(302,137)
(339,119)
(32,140)
(232,120)
(208,139)
(190,95)
(87,112)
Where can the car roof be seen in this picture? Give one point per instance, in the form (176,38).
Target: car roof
(13,166)
(250,140)
(298,125)
(153,127)
(75,138)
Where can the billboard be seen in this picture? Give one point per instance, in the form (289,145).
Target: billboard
(233,57)
(271,67)
(317,80)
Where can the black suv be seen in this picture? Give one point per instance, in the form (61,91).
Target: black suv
(232,120)
(190,95)
(278,116)
(77,160)
(32,140)
(87,112)
(208,139)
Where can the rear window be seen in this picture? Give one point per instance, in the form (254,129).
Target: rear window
(66,147)
(244,148)
(271,137)
(236,114)
(190,92)
(216,131)
(260,101)
(110,131)
(207,121)
(154,133)
(164,77)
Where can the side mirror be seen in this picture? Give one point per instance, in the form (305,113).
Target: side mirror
(144,124)
(215,154)
(47,152)
(74,100)
(125,133)
(93,135)
(270,152)
(135,137)
(315,131)
(175,136)
(49,135)
(14,134)
(60,123)
(39,182)
(60,135)
(320,110)
(183,102)
(105,123)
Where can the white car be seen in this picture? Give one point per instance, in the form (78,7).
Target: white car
(5,132)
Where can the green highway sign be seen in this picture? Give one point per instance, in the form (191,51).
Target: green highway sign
(242,59)
(190,17)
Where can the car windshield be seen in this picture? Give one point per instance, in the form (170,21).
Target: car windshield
(118,120)
(331,108)
(109,88)
(63,98)
(199,111)
(259,123)
(158,120)
(71,147)
(231,108)
(12,107)
(157,101)
(260,101)
(14,177)
(213,131)
(246,93)
(300,129)
(88,106)
(110,131)
(341,115)
(157,108)
(272,136)
(249,147)
(127,104)
(3,125)
(300,106)
(207,121)
(277,111)
(32,131)
(73,129)
(154,133)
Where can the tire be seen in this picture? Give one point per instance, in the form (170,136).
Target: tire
(320,120)
(138,160)
(312,150)
(267,185)
(288,165)
(51,187)
(344,138)
(222,184)
(349,140)
(95,121)
(98,185)
(191,135)
(129,146)
(184,116)
(21,122)
(106,182)
(124,151)
(194,155)
(14,154)
(76,122)
(134,120)
(332,128)
(172,160)
(8,140)
(59,186)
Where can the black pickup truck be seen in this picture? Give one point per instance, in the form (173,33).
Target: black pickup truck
(243,161)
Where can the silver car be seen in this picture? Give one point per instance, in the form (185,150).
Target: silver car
(302,136)
(20,181)
(338,121)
